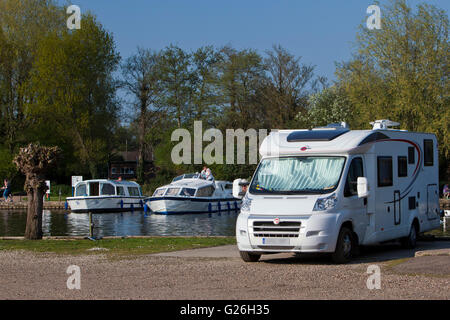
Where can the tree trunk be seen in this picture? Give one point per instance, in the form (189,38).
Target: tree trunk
(35,197)
(35,161)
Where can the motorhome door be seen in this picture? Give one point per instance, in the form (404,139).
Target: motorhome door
(432,202)
(356,206)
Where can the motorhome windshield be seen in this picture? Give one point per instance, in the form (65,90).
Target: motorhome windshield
(297,175)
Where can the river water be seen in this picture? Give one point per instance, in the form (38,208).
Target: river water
(61,223)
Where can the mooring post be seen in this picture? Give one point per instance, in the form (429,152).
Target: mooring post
(91,226)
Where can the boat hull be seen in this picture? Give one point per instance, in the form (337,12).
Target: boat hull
(105,204)
(179,205)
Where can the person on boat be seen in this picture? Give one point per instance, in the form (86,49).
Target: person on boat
(206,174)
(119,178)
(7,190)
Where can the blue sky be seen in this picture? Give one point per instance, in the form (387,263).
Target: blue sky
(320,31)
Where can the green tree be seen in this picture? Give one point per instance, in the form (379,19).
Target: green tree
(327,106)
(286,92)
(22,26)
(402,71)
(141,78)
(240,75)
(74,89)
(176,78)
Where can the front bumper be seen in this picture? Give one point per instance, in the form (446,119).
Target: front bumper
(316,233)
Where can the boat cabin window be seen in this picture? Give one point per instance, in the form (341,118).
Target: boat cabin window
(205,191)
(229,186)
(159,192)
(94,188)
(187,192)
(384,165)
(354,171)
(172,191)
(177,178)
(120,191)
(81,190)
(108,189)
(134,191)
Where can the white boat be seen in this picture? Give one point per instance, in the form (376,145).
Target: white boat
(190,194)
(101,195)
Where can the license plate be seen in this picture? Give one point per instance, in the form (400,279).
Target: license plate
(276,241)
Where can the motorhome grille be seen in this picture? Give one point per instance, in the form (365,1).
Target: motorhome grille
(276,247)
(285,229)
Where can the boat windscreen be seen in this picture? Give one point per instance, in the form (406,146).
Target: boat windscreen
(159,192)
(81,190)
(172,191)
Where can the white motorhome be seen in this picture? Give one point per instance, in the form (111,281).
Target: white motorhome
(331,189)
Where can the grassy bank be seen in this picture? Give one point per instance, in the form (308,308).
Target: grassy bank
(127,246)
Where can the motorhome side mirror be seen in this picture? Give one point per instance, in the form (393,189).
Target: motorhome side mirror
(362,187)
(239,188)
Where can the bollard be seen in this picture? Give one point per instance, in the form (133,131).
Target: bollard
(235,206)
(210,208)
(66,205)
(132,208)
(91,226)
(121,204)
(228,207)
(218,206)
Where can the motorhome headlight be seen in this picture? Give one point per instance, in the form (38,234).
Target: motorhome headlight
(325,203)
(246,204)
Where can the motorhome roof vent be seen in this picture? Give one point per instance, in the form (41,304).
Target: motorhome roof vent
(340,125)
(384,124)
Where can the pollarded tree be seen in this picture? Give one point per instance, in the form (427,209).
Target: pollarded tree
(35,161)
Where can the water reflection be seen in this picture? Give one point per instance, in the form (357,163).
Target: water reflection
(60,223)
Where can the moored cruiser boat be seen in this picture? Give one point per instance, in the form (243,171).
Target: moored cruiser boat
(190,194)
(103,195)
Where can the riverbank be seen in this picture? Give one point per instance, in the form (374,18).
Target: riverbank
(20,204)
(111,245)
(23,205)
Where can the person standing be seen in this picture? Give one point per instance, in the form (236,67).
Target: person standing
(7,190)
(446,192)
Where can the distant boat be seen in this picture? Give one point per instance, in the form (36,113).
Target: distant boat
(103,195)
(189,193)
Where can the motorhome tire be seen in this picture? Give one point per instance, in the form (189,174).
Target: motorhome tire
(344,246)
(249,256)
(410,241)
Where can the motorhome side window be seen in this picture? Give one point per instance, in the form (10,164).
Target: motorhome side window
(428,152)
(402,166)
(354,171)
(385,176)
(411,155)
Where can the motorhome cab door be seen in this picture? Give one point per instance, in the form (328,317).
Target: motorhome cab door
(356,207)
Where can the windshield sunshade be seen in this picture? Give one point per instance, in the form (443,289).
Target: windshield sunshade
(298,175)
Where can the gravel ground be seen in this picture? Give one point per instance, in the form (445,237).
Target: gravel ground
(25,275)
